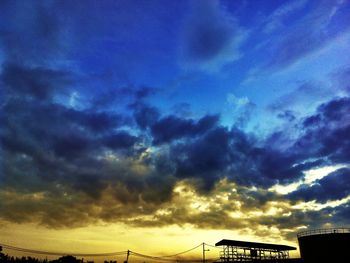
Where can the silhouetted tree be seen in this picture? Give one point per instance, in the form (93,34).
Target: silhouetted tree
(67,259)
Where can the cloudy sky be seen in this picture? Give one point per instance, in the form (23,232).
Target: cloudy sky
(157,125)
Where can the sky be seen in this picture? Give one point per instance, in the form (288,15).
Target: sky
(158,125)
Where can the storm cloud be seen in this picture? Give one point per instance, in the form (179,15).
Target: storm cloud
(90,155)
(124,153)
(172,127)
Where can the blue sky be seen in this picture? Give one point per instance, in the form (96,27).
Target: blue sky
(114,106)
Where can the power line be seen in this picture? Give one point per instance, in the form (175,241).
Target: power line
(212,246)
(150,257)
(40,252)
(166,256)
(180,253)
(173,260)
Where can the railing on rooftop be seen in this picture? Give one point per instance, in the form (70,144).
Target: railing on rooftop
(324,231)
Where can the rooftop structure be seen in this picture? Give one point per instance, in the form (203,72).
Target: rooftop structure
(235,250)
(324,231)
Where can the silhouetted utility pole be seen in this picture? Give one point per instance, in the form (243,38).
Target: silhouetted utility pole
(127,257)
(204,252)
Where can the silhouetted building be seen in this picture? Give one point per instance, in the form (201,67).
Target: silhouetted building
(325,245)
(234,250)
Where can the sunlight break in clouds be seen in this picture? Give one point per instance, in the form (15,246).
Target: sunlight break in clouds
(310,177)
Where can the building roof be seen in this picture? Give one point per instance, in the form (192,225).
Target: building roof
(245,244)
(324,231)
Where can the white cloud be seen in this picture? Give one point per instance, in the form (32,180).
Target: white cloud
(316,174)
(73,99)
(314,206)
(237,102)
(310,177)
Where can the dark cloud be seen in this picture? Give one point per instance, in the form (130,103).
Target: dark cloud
(209,32)
(32,32)
(48,143)
(145,92)
(240,157)
(206,158)
(214,219)
(342,153)
(119,140)
(312,121)
(94,121)
(265,167)
(70,145)
(171,128)
(334,186)
(236,155)
(41,83)
(296,219)
(75,159)
(52,142)
(145,116)
(335,110)
(342,214)
(326,133)
(128,95)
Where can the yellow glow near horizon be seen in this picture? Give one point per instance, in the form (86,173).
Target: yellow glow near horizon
(169,239)
(119,237)
(142,236)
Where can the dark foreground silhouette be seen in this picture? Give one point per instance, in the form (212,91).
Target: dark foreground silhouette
(65,259)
